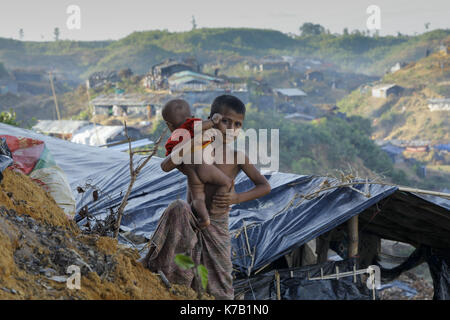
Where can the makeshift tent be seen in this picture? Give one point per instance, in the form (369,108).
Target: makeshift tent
(264,229)
(97,135)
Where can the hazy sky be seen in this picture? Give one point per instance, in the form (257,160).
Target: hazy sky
(110,19)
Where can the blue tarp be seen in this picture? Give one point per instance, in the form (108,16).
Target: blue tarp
(273,224)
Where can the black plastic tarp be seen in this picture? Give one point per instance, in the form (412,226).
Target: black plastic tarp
(295,284)
(262,230)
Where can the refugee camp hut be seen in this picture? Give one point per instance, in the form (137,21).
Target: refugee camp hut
(417,146)
(97,135)
(121,104)
(274,65)
(314,75)
(384,90)
(439,104)
(443,147)
(189,80)
(397,66)
(292,95)
(63,129)
(394,152)
(168,67)
(101,78)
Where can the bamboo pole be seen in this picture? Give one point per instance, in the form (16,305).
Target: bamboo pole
(277,278)
(54,95)
(353,237)
(430,192)
(91,109)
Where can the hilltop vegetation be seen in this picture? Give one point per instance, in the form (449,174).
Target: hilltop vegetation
(407,116)
(354,52)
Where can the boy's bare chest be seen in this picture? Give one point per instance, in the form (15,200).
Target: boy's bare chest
(231,170)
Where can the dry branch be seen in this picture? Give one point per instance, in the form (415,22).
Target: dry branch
(133,176)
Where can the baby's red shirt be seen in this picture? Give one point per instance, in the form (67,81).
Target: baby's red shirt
(188,125)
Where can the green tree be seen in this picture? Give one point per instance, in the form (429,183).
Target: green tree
(9,117)
(56,34)
(194,23)
(311,29)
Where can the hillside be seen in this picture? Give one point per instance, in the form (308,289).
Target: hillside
(38,244)
(406,116)
(353,52)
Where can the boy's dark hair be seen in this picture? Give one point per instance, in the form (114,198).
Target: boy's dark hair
(229,101)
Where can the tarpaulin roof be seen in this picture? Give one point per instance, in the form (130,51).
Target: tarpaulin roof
(263,229)
(59,126)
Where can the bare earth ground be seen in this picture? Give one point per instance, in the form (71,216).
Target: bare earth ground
(38,243)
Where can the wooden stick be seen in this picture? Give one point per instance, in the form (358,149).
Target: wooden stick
(353,235)
(277,278)
(430,192)
(54,95)
(133,176)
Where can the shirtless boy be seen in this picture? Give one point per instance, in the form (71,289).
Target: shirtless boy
(177,115)
(232,112)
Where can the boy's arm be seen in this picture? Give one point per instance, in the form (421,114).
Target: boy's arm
(261,188)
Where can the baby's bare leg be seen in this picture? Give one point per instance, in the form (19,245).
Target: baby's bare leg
(211,174)
(197,189)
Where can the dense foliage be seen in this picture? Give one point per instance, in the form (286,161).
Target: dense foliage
(353,51)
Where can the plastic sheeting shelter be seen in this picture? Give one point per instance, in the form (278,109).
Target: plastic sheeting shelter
(264,229)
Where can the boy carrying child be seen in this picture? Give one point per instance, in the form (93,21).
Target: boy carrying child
(179,230)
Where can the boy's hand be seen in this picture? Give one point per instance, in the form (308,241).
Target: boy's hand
(225,200)
(216,118)
(204,223)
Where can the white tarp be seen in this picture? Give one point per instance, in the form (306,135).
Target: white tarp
(96,135)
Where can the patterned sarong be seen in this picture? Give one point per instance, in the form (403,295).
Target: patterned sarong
(178,232)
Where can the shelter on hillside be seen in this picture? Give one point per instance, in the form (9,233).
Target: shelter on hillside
(63,129)
(384,90)
(97,135)
(170,66)
(189,80)
(314,75)
(274,65)
(290,94)
(439,104)
(122,104)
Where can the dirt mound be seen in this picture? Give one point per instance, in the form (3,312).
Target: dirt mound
(18,192)
(38,244)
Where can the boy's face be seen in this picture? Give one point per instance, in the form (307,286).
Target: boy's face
(231,120)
